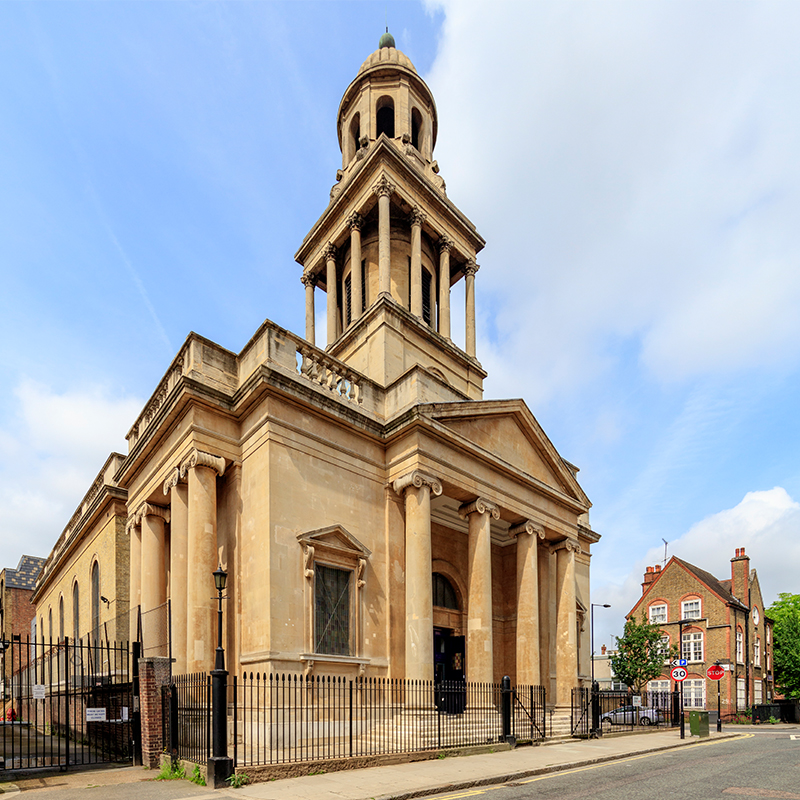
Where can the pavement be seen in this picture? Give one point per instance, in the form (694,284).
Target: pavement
(398,781)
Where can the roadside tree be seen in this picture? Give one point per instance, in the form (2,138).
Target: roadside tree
(785,611)
(641,654)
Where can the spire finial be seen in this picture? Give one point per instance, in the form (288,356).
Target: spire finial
(387,40)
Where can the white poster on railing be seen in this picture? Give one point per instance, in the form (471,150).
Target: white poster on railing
(39,691)
(95,715)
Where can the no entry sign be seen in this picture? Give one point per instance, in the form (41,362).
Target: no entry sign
(679,674)
(715,672)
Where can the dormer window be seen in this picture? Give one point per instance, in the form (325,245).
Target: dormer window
(384,117)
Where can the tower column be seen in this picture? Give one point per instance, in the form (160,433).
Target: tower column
(567,621)
(201,470)
(480,617)
(469,271)
(178,564)
(417,219)
(416,488)
(135,533)
(383,189)
(309,281)
(527,534)
(355,221)
(333,300)
(445,246)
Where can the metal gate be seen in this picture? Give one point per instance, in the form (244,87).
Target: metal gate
(65,704)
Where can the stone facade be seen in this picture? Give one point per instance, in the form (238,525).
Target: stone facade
(83,587)
(726,624)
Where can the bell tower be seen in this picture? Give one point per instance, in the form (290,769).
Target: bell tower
(391,244)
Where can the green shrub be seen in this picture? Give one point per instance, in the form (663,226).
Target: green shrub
(197,776)
(237,780)
(171,771)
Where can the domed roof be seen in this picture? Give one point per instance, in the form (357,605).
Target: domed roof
(387,40)
(387,55)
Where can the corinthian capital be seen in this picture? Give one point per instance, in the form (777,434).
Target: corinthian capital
(309,279)
(199,458)
(445,244)
(329,252)
(418,479)
(384,187)
(470,268)
(417,216)
(528,527)
(355,221)
(480,505)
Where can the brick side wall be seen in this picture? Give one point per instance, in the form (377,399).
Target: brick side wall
(153,674)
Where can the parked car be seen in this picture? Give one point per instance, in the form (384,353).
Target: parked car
(630,715)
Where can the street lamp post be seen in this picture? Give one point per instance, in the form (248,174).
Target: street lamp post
(220,767)
(595,696)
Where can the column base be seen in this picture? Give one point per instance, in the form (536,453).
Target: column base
(218,770)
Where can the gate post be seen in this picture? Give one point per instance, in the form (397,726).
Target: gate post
(595,732)
(154,673)
(136,716)
(506,692)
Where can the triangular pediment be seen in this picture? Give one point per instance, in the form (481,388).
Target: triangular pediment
(509,431)
(335,538)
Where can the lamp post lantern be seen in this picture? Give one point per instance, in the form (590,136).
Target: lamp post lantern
(220,767)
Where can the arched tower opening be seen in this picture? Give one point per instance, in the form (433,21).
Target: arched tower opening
(384,116)
(416,129)
(355,133)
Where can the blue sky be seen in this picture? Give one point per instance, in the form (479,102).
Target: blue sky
(633,167)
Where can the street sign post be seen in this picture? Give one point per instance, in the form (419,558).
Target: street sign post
(679,674)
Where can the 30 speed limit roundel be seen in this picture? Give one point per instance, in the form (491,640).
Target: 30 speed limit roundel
(679,674)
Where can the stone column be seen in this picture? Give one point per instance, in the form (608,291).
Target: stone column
(310,281)
(154,556)
(469,271)
(480,616)
(527,534)
(546,625)
(445,246)
(416,488)
(383,189)
(178,564)
(333,300)
(355,222)
(201,470)
(135,533)
(567,620)
(417,218)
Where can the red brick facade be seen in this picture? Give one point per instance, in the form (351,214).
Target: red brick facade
(723,621)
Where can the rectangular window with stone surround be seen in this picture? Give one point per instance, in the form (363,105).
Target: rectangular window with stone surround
(332,610)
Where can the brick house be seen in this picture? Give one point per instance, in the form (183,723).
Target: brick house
(16,611)
(723,621)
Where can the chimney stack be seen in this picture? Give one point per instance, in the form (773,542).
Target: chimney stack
(740,575)
(649,576)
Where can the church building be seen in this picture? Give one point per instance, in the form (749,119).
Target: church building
(375,515)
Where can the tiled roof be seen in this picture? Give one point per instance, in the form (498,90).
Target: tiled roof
(26,573)
(722,588)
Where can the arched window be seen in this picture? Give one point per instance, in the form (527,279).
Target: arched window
(61,619)
(384,116)
(95,597)
(76,612)
(416,128)
(355,132)
(444,595)
(50,623)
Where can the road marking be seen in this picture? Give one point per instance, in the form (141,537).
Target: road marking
(794,738)
(753,792)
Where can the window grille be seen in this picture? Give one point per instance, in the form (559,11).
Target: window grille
(426,297)
(332,610)
(348,294)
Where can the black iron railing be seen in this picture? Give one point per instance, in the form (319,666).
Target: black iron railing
(613,711)
(191,716)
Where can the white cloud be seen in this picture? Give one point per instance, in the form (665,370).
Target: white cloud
(765,523)
(633,169)
(54,445)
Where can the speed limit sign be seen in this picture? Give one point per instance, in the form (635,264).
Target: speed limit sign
(679,674)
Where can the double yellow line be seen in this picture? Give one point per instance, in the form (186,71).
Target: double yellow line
(557,773)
